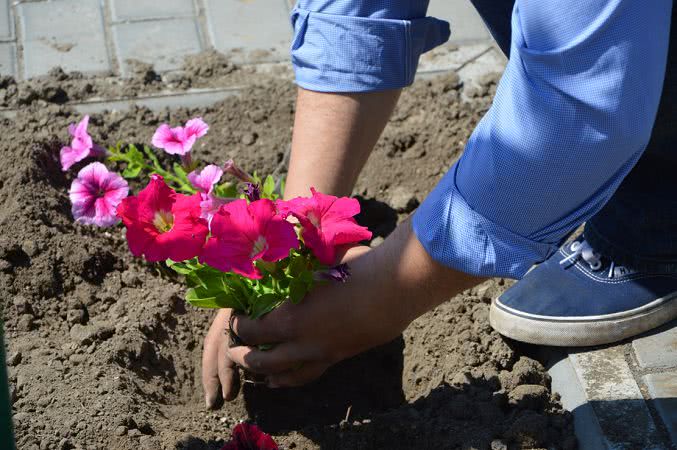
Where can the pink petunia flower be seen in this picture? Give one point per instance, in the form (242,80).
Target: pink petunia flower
(243,233)
(81,145)
(328,222)
(204,181)
(179,140)
(95,194)
(248,436)
(162,224)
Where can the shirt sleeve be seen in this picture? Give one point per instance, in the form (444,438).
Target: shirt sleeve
(361,45)
(572,115)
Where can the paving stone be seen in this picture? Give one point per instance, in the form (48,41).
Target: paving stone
(8,59)
(122,10)
(5,21)
(466,24)
(163,43)
(66,33)
(251,31)
(614,395)
(451,57)
(663,390)
(657,350)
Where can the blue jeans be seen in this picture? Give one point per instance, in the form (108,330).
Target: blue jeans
(638,225)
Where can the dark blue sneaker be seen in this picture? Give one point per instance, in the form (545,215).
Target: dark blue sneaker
(578,298)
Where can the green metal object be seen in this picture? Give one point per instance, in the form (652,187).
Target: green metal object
(6,435)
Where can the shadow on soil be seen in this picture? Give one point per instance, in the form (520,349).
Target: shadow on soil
(356,387)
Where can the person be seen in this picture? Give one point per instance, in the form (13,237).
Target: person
(569,138)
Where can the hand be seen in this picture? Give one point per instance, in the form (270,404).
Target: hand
(333,322)
(389,287)
(220,376)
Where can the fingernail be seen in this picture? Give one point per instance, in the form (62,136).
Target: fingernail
(208,403)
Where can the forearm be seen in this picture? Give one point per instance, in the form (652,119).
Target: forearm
(333,137)
(394,284)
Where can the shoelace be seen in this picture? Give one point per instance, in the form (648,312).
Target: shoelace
(583,250)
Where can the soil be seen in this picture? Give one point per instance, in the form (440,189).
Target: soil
(104,353)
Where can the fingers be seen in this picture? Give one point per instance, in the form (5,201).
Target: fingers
(276,326)
(210,376)
(303,375)
(211,382)
(228,373)
(280,358)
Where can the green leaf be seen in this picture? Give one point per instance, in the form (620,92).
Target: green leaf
(264,304)
(297,265)
(269,187)
(297,290)
(212,296)
(151,155)
(179,170)
(134,155)
(132,170)
(226,190)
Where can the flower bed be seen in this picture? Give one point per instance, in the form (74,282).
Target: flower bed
(104,352)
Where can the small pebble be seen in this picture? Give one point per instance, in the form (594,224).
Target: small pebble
(14,359)
(249,138)
(29,247)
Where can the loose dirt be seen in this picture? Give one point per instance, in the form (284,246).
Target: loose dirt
(104,353)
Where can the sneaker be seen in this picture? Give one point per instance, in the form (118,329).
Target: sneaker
(578,298)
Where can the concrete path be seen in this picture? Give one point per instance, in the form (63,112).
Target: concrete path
(100,37)
(622,396)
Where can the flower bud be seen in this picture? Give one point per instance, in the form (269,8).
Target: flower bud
(231,168)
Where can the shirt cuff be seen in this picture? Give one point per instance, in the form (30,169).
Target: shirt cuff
(459,237)
(338,53)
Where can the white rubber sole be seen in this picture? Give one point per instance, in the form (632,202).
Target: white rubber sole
(581,331)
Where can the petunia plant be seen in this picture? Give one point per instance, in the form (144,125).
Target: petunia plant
(237,244)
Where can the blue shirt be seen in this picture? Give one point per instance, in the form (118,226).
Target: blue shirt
(572,114)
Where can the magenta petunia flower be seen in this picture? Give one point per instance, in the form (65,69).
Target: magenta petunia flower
(248,436)
(179,140)
(162,224)
(328,222)
(95,195)
(243,233)
(81,145)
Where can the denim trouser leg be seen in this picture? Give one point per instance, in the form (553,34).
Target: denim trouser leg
(638,225)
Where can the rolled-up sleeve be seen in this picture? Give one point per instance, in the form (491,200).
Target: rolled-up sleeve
(361,45)
(572,115)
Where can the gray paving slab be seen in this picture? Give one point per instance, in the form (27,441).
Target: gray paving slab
(163,43)
(466,24)
(565,382)
(193,98)
(6,22)
(249,31)
(66,33)
(8,59)
(663,390)
(611,390)
(123,10)
(657,350)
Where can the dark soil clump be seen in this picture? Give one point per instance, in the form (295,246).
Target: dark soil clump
(104,353)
